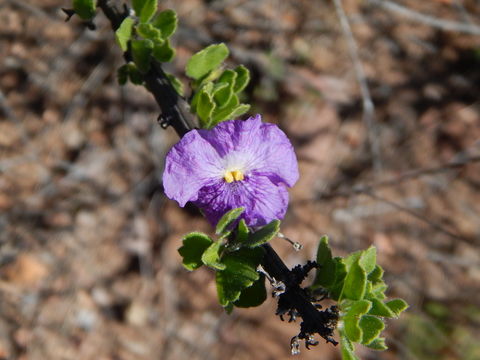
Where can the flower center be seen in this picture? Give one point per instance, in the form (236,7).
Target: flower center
(234,175)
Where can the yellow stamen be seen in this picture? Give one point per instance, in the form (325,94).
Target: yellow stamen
(231,176)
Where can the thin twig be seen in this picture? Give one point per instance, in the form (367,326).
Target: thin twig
(367,103)
(418,216)
(446,25)
(408,175)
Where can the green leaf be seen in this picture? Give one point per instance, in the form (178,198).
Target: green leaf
(242,80)
(239,274)
(205,107)
(380,309)
(325,274)
(211,256)
(346,348)
(222,94)
(176,83)
(264,234)
(378,344)
(376,275)
(206,60)
(371,328)
(254,295)
(85,9)
(242,232)
(194,245)
(239,110)
(355,282)
(368,259)
(166,22)
(397,306)
(134,74)
(378,290)
(335,290)
(148,31)
(352,318)
(228,220)
(141,51)
(122,74)
(224,113)
(145,9)
(163,52)
(124,33)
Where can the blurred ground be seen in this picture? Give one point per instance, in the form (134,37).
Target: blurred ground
(88,260)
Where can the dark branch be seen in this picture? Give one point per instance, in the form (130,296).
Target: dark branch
(175,113)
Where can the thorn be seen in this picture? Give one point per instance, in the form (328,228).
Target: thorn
(296,245)
(278,288)
(295,345)
(91,25)
(69,13)
(164,121)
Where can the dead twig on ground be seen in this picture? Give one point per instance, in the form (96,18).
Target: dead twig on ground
(446,25)
(367,103)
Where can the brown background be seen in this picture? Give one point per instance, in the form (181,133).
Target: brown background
(88,260)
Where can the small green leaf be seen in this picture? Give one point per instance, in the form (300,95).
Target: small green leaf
(148,31)
(138,6)
(335,290)
(228,220)
(378,290)
(325,274)
(380,309)
(166,21)
(194,245)
(397,306)
(208,88)
(206,60)
(368,259)
(264,234)
(346,348)
(376,275)
(378,344)
(242,232)
(239,110)
(85,9)
(242,80)
(205,107)
(371,328)
(211,256)
(254,295)
(352,318)
(355,282)
(141,51)
(222,94)
(122,74)
(239,274)
(176,83)
(224,113)
(124,33)
(134,74)
(145,9)
(163,52)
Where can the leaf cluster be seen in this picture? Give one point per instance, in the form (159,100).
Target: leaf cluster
(356,283)
(217,91)
(146,36)
(234,257)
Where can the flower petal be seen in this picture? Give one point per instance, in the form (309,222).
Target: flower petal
(190,165)
(262,148)
(263,200)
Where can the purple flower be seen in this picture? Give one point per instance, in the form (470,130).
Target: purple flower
(237,163)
